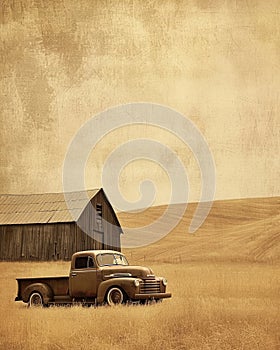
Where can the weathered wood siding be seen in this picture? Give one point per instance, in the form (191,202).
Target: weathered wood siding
(109,237)
(58,241)
(43,241)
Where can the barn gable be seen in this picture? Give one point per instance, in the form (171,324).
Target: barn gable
(45,227)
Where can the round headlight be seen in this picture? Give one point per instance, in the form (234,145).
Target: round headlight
(136,283)
(164,281)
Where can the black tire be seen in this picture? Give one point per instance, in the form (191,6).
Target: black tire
(115,296)
(35,300)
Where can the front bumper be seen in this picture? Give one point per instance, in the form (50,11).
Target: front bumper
(153,295)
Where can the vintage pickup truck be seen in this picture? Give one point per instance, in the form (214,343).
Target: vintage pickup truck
(96,277)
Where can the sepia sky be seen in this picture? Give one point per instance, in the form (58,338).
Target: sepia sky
(216,62)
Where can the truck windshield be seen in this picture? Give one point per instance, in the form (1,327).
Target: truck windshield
(108,259)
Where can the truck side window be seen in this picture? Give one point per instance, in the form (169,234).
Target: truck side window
(81,262)
(84,262)
(90,261)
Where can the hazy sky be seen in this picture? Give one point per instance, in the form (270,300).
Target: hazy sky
(216,62)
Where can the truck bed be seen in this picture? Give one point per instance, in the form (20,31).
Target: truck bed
(59,284)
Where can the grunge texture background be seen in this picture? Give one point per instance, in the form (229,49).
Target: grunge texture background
(217,62)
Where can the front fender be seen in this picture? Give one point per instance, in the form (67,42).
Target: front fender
(126,284)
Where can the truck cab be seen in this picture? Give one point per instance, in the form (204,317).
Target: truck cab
(96,277)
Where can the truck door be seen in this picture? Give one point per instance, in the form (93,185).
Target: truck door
(82,279)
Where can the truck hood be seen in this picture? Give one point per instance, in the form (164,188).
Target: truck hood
(127,271)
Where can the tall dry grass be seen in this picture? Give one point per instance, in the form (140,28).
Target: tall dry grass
(214,306)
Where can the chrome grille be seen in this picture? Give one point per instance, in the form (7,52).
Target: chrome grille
(149,286)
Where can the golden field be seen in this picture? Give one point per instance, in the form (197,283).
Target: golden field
(214,306)
(240,230)
(224,279)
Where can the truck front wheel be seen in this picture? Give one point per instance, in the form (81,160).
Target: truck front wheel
(35,300)
(115,296)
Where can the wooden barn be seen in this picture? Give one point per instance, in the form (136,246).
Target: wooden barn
(46,227)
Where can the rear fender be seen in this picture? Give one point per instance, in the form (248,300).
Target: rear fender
(42,288)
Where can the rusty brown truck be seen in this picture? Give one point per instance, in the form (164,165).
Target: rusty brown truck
(96,277)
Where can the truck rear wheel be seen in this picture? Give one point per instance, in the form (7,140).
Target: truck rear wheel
(115,296)
(35,300)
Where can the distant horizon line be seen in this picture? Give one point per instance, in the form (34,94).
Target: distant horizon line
(143,208)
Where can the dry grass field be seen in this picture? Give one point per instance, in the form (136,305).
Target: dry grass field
(214,306)
(224,279)
(242,230)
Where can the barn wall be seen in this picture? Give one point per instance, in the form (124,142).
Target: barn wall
(36,241)
(111,227)
(43,241)
(110,238)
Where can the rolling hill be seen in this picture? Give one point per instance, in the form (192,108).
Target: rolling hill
(235,230)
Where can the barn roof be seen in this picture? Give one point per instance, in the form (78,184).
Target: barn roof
(43,208)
